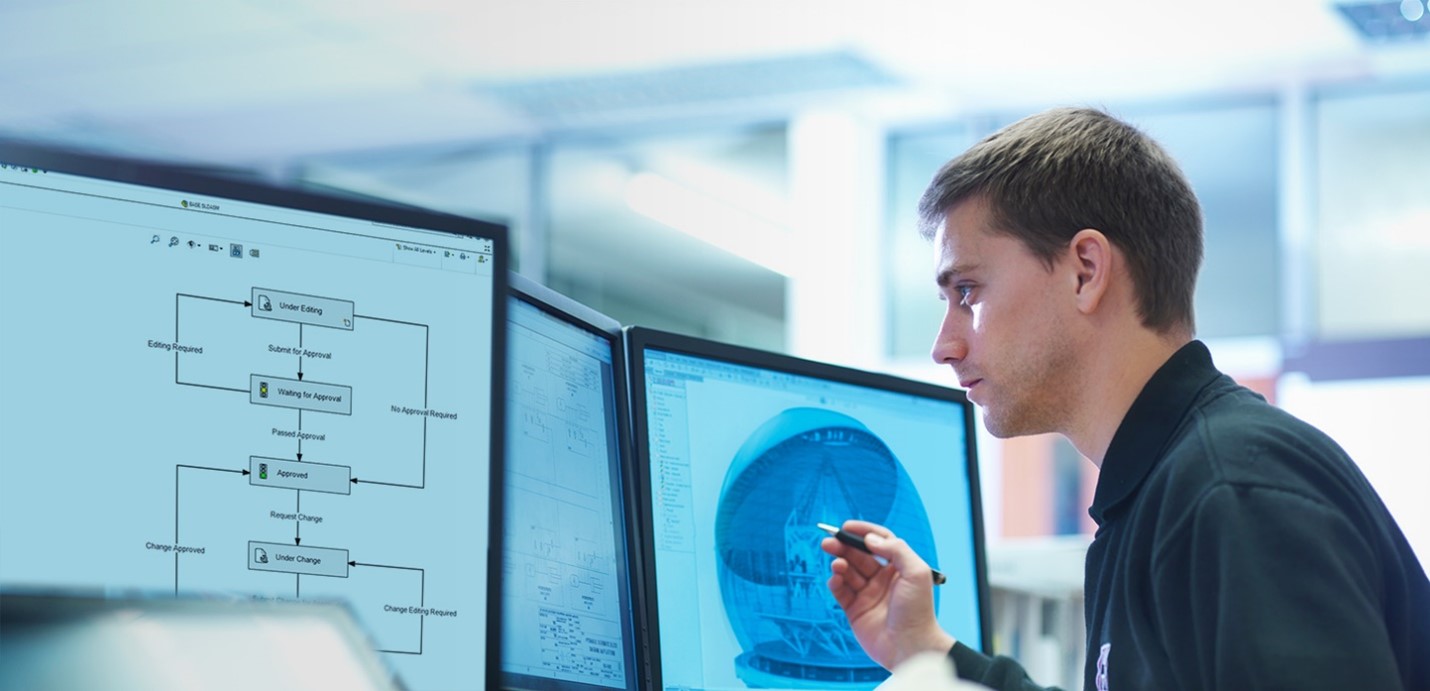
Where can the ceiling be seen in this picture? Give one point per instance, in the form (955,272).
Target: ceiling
(263,82)
(388,91)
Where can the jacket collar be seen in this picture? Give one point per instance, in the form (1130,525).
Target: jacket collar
(1154,417)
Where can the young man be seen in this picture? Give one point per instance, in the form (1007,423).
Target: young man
(1237,547)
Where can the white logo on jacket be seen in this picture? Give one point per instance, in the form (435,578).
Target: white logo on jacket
(1102,666)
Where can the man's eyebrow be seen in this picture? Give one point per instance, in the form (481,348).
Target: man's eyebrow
(949,275)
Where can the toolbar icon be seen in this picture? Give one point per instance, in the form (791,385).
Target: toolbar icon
(174,241)
(235,250)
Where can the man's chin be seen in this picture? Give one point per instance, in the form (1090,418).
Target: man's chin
(995,424)
(1006,427)
(998,432)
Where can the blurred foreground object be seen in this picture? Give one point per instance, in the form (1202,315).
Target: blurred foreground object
(86,641)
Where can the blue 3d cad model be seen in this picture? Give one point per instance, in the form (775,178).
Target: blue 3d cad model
(805,466)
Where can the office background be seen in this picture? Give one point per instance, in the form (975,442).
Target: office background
(746,171)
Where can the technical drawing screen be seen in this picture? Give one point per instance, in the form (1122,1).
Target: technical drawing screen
(207,395)
(567,618)
(743,462)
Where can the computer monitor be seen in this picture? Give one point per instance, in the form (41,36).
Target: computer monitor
(216,386)
(569,611)
(743,452)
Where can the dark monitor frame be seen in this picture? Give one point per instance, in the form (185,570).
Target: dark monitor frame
(243,186)
(583,317)
(638,339)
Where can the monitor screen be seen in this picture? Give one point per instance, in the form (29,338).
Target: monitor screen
(568,619)
(215,386)
(743,453)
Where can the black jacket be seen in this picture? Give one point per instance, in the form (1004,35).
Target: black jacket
(1238,548)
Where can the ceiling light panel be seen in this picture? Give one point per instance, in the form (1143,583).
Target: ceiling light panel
(1390,21)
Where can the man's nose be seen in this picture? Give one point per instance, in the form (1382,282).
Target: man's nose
(950,346)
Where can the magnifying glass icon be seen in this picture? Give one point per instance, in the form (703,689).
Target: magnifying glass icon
(154,239)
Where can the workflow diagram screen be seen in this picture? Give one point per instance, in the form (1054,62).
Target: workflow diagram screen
(567,613)
(744,463)
(210,396)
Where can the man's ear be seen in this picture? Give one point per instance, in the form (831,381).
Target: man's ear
(1092,258)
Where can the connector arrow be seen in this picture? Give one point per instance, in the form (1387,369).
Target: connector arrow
(389,484)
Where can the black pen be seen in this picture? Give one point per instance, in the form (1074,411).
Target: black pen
(858,543)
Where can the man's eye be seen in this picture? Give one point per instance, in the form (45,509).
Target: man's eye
(963,293)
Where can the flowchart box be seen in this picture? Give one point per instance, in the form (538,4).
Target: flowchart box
(288,474)
(303,309)
(285,558)
(282,392)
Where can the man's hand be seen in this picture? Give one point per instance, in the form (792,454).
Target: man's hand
(889,606)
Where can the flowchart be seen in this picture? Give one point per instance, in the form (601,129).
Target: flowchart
(299,391)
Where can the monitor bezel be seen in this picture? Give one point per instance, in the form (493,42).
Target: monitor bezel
(244,186)
(640,339)
(581,316)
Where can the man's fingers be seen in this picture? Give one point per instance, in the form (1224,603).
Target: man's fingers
(839,588)
(863,562)
(851,576)
(857,527)
(855,593)
(900,556)
(872,534)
